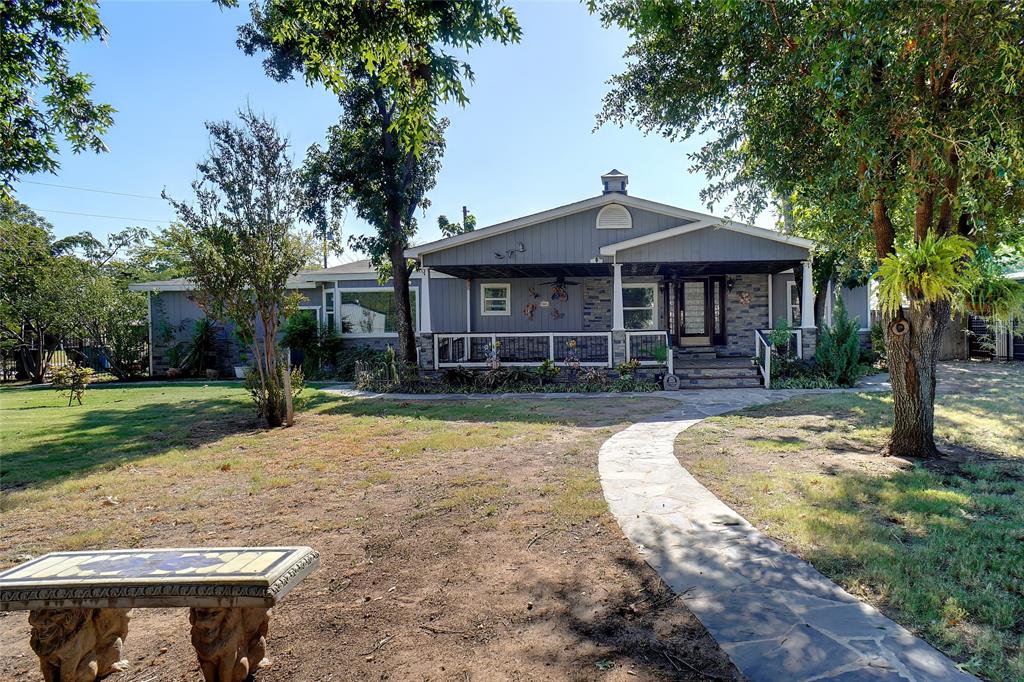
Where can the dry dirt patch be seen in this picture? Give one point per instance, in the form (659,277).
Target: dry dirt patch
(459,541)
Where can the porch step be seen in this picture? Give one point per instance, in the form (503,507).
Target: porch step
(721,382)
(687,372)
(695,353)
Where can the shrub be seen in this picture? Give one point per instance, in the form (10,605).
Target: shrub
(546,372)
(838,351)
(628,368)
(878,344)
(73,380)
(269,396)
(594,379)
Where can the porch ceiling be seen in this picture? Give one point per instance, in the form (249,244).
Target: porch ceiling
(511,270)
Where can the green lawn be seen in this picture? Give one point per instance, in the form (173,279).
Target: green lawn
(43,439)
(939,547)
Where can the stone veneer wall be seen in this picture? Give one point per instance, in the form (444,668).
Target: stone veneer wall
(742,320)
(597,304)
(425,345)
(810,342)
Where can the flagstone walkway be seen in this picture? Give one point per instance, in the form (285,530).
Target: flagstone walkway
(774,615)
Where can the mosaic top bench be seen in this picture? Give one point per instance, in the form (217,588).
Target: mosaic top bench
(79,604)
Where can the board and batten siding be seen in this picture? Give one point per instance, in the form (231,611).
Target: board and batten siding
(710,245)
(571,239)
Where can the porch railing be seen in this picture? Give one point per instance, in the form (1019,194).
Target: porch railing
(763,356)
(591,349)
(796,342)
(649,348)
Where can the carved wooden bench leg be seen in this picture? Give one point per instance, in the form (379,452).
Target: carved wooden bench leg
(230,643)
(79,645)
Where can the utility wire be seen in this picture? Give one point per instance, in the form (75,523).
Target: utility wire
(96,215)
(86,189)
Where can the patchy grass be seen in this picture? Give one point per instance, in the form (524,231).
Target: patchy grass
(480,518)
(937,546)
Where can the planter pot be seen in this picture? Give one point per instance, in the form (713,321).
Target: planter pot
(240,371)
(212,374)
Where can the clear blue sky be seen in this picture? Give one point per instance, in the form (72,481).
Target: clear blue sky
(523,144)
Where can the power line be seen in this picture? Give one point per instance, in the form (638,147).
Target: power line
(96,215)
(86,189)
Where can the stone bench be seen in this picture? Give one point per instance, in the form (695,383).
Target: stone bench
(79,604)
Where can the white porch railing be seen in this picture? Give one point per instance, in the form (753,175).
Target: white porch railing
(763,357)
(763,351)
(645,346)
(796,340)
(592,349)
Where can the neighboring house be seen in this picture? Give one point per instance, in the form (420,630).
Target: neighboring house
(607,279)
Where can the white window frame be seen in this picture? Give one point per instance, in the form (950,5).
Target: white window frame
(329,310)
(653,307)
(790,285)
(385,335)
(507,298)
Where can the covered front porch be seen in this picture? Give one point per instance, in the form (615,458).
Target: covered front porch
(672,316)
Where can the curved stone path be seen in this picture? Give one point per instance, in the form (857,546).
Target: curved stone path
(776,617)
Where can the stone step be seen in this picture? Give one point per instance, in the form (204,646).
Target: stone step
(715,372)
(682,355)
(708,382)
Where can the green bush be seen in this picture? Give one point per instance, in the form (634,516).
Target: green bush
(73,380)
(838,351)
(546,372)
(264,396)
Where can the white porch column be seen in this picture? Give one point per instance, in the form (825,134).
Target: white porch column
(425,326)
(618,324)
(807,298)
(469,305)
(771,318)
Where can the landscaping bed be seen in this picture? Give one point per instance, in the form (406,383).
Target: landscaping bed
(463,540)
(934,545)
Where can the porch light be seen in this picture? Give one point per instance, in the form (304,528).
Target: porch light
(730,283)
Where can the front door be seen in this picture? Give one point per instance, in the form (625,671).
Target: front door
(701,311)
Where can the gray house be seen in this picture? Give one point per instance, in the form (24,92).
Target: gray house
(600,281)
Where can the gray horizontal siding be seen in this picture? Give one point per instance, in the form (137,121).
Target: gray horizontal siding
(572,239)
(711,244)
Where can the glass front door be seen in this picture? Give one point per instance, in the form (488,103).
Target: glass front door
(701,311)
(693,313)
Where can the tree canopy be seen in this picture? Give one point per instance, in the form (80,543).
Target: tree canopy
(41,98)
(413,50)
(901,123)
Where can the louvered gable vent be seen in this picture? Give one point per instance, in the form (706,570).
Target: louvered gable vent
(614,217)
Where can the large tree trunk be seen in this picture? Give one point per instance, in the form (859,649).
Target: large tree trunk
(913,341)
(403,306)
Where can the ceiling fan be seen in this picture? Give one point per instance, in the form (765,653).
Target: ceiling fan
(560,282)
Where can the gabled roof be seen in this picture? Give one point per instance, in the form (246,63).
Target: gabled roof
(714,223)
(597,202)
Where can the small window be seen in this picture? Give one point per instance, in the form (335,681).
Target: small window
(495,299)
(793,307)
(640,306)
(329,310)
(614,217)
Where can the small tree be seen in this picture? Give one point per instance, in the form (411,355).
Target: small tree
(242,245)
(450,229)
(392,64)
(72,380)
(115,319)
